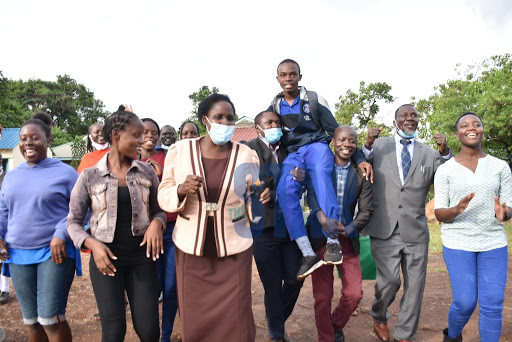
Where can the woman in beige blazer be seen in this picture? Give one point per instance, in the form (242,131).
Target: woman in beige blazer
(206,181)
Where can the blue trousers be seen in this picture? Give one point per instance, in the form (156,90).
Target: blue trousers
(278,261)
(318,161)
(167,281)
(477,276)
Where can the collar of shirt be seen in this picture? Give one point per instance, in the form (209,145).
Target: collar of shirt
(398,138)
(272,149)
(339,167)
(294,108)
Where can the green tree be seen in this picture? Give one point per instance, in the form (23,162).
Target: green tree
(485,89)
(360,109)
(73,107)
(78,149)
(12,114)
(196,98)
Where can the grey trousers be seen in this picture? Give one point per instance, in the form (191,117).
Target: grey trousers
(390,255)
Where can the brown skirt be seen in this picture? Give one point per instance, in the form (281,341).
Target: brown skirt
(214,296)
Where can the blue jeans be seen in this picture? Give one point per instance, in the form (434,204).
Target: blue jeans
(42,290)
(477,276)
(167,282)
(318,161)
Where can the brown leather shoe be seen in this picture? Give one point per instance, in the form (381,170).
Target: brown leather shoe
(381,330)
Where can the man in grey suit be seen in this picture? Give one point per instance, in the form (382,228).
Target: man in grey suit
(403,172)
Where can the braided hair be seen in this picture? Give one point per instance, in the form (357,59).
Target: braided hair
(42,120)
(118,120)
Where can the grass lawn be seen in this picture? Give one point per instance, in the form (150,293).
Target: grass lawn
(436,246)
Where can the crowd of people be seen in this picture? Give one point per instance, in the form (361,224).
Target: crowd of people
(183,215)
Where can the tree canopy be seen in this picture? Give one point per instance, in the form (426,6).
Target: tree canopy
(360,110)
(196,98)
(72,106)
(485,89)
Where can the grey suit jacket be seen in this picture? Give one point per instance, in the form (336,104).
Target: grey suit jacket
(395,203)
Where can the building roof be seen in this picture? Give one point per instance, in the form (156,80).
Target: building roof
(245,134)
(63,152)
(10,138)
(245,119)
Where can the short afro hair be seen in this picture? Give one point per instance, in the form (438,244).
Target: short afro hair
(398,109)
(206,105)
(258,117)
(288,61)
(466,114)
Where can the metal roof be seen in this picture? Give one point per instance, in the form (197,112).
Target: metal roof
(10,138)
(244,134)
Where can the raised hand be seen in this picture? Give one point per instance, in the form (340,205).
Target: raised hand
(128,108)
(190,186)
(373,133)
(441,143)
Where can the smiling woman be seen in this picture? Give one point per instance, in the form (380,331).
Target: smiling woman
(40,256)
(473,197)
(126,230)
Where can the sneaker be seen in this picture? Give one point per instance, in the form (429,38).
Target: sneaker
(308,265)
(4,297)
(338,336)
(333,254)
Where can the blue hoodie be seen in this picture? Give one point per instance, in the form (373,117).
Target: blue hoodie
(33,200)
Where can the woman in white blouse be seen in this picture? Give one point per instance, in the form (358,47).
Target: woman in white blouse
(473,197)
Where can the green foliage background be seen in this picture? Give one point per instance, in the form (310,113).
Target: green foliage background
(485,89)
(72,106)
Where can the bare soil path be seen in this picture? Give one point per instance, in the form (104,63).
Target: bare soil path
(300,326)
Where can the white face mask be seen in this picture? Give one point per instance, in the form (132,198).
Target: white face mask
(98,147)
(220,134)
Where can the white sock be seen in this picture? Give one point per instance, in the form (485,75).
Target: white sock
(331,240)
(4,283)
(305,246)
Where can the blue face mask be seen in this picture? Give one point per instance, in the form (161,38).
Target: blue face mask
(272,135)
(220,134)
(405,135)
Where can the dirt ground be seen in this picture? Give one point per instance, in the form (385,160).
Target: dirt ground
(300,326)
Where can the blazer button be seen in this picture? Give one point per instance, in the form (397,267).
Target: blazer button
(131,183)
(400,206)
(402,189)
(135,215)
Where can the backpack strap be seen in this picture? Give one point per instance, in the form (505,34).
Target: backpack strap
(313,105)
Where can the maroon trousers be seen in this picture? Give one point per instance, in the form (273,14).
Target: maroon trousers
(351,292)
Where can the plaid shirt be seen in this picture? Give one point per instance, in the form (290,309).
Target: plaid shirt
(341,179)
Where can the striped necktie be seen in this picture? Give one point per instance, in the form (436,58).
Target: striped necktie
(406,158)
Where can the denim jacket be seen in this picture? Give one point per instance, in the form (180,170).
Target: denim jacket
(96,189)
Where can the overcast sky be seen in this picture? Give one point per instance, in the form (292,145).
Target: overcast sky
(153,54)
